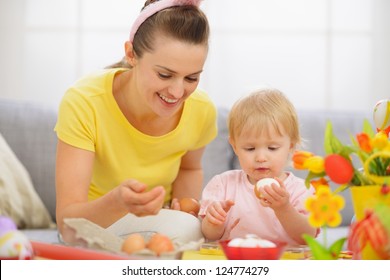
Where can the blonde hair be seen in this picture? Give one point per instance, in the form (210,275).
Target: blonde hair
(262,108)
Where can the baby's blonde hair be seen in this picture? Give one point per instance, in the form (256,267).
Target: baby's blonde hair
(262,108)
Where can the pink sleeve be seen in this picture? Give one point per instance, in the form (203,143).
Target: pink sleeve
(213,191)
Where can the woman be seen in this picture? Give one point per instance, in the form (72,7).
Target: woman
(131,138)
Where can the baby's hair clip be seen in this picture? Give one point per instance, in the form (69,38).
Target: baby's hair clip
(156,6)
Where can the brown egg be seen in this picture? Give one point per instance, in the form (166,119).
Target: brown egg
(160,243)
(133,243)
(189,205)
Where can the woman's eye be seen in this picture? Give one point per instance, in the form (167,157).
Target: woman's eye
(192,79)
(164,76)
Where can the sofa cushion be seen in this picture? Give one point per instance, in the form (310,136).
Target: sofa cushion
(18,198)
(28,129)
(218,156)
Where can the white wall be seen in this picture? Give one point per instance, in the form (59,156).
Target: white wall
(322,53)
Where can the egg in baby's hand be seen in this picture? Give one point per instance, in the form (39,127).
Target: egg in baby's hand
(189,205)
(133,243)
(264,182)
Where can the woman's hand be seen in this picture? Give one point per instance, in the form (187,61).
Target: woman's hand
(217,212)
(175,205)
(132,195)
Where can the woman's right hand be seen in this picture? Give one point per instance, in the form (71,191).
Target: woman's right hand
(132,195)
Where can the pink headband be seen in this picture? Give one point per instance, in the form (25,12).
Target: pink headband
(155,7)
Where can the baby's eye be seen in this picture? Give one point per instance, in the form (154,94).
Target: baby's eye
(249,149)
(272,148)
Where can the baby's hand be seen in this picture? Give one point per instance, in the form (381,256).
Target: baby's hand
(217,211)
(274,196)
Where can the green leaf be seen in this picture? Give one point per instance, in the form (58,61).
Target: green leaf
(367,128)
(332,144)
(328,138)
(318,251)
(312,176)
(341,188)
(336,247)
(383,212)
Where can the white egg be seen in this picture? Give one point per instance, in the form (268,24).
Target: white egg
(257,243)
(235,242)
(250,243)
(267,181)
(265,243)
(264,182)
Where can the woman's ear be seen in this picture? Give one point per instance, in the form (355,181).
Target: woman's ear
(130,56)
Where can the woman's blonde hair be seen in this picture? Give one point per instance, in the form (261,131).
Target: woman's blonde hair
(262,108)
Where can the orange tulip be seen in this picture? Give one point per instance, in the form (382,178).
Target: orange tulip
(364,142)
(299,158)
(320,182)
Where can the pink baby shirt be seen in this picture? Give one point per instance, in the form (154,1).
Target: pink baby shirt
(253,217)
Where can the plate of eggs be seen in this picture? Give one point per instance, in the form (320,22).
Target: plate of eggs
(252,248)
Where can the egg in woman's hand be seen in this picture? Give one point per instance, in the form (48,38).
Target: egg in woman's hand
(189,205)
(264,182)
(133,243)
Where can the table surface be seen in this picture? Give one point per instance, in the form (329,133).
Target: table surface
(206,252)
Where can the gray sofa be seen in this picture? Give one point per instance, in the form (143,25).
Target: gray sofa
(28,129)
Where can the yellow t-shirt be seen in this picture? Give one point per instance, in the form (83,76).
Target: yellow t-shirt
(89,118)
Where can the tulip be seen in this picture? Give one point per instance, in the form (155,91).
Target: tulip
(320,182)
(315,164)
(299,158)
(380,141)
(364,142)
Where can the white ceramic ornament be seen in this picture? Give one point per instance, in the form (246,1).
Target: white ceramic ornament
(382,115)
(15,245)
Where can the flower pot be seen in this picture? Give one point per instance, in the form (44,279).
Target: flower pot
(363,198)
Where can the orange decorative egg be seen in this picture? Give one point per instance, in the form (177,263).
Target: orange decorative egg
(160,243)
(133,243)
(189,205)
(339,169)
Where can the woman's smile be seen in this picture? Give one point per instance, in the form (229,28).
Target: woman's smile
(168,100)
